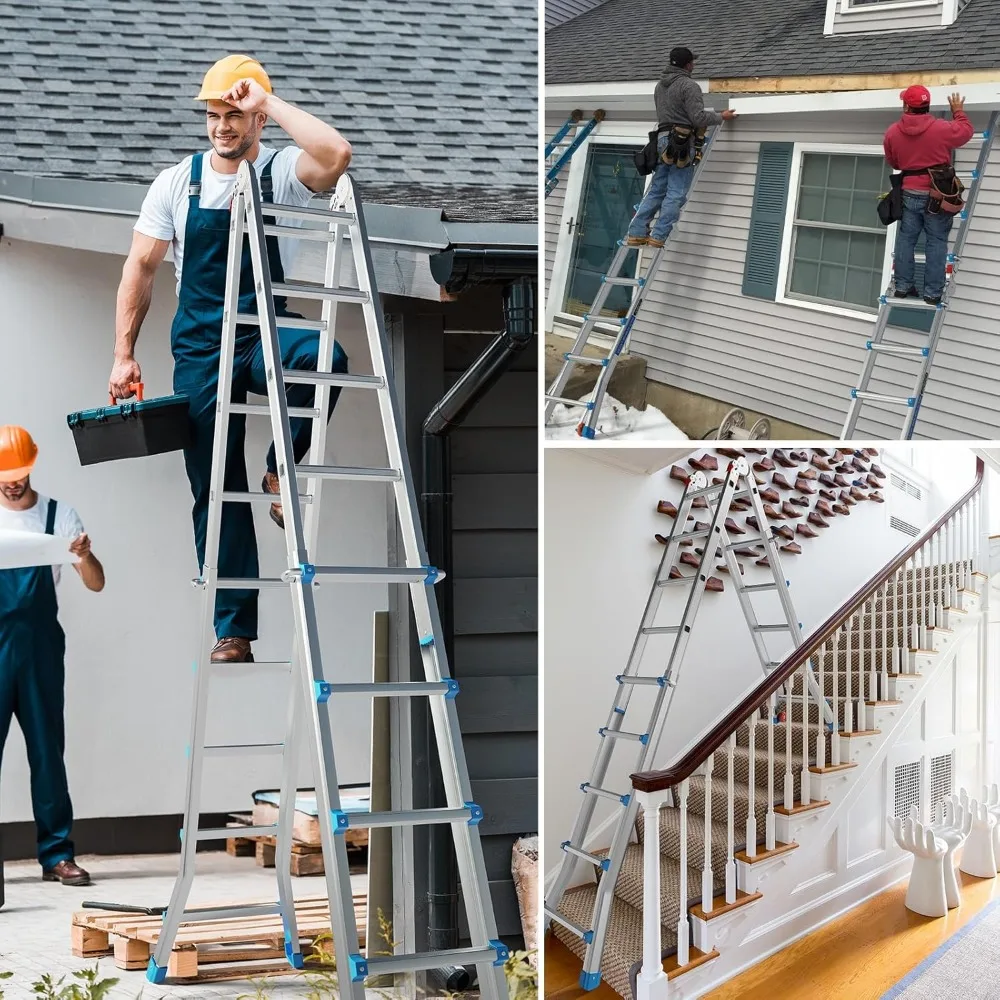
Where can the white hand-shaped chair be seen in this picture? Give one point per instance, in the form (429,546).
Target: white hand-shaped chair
(978,858)
(926,892)
(991,799)
(952,823)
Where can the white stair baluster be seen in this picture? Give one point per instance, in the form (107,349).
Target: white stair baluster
(789,791)
(884,651)
(751,828)
(849,677)
(651,983)
(821,737)
(769,834)
(804,776)
(707,876)
(872,668)
(683,956)
(835,738)
(730,839)
(860,715)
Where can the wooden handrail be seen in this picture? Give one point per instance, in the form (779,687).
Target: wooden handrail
(658,781)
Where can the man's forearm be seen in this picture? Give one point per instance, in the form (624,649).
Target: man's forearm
(321,141)
(91,572)
(134,295)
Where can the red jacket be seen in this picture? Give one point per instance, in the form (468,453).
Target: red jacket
(918,141)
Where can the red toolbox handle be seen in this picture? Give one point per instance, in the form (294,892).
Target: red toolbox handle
(135,387)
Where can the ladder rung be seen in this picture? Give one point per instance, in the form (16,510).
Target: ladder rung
(251,749)
(619,734)
(604,793)
(752,540)
(367,574)
(387,689)
(909,303)
(603,863)
(295,233)
(299,291)
(346,472)
(283,322)
(233,496)
(759,586)
(900,349)
(225,832)
(228,912)
(570,402)
(246,583)
(661,630)
(228,665)
(470,814)
(586,935)
(668,582)
(333,379)
(877,397)
(264,410)
(385,964)
(583,359)
(772,628)
(684,536)
(627,282)
(302,212)
(651,681)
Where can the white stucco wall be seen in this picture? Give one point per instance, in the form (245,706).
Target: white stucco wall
(130,649)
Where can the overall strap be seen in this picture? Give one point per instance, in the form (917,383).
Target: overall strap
(194,185)
(266,182)
(50,518)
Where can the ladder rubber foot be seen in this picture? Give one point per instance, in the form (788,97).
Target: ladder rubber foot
(590,980)
(503,952)
(588,432)
(359,968)
(295,959)
(156,973)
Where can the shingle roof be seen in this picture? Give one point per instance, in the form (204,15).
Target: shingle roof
(630,40)
(560,11)
(434,96)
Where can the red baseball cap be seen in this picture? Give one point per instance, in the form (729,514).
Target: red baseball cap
(916,96)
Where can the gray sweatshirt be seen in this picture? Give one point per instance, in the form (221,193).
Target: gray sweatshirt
(679,101)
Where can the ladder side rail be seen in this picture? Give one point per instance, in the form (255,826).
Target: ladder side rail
(551,176)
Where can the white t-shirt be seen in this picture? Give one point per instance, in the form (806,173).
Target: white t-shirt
(165,208)
(68,523)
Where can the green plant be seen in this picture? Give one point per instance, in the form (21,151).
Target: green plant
(261,991)
(90,987)
(5,975)
(522,979)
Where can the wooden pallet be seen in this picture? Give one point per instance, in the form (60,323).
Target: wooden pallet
(211,949)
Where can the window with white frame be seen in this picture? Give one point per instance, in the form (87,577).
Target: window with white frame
(838,253)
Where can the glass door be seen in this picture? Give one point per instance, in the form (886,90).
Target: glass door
(611,189)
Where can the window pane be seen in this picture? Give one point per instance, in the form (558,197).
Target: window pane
(836,246)
(871,174)
(811,204)
(808,243)
(842,172)
(864,210)
(814,167)
(805,278)
(838,207)
(858,290)
(832,279)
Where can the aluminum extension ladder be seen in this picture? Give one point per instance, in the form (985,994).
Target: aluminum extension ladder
(311,692)
(878,346)
(588,425)
(555,169)
(739,482)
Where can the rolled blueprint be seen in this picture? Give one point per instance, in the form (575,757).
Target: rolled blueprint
(19,549)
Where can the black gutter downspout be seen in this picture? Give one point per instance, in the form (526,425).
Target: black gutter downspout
(447,414)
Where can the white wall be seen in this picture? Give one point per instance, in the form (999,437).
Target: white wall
(130,649)
(600,559)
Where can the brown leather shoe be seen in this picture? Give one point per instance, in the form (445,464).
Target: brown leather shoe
(816,519)
(699,503)
(759,479)
(740,505)
(730,452)
(764,465)
(808,473)
(828,495)
(845,469)
(662,539)
(846,497)
(841,481)
(823,508)
(871,451)
(676,472)
(675,574)
(857,494)
(770,495)
(806,531)
(67,872)
(690,559)
(715,585)
(755,451)
(232,649)
(820,463)
(789,511)
(270,484)
(774,515)
(717,480)
(723,568)
(792,547)
(666,507)
(804,486)
(732,526)
(763,562)
(841,508)
(752,522)
(707,463)
(799,501)
(820,451)
(858,465)
(872,481)
(701,526)
(827,480)
(877,471)
(877,497)
(785,531)
(747,552)
(781,458)
(799,456)
(779,480)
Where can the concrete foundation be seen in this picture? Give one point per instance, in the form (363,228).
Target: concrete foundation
(628,381)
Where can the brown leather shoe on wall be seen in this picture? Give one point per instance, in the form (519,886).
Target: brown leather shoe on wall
(270,484)
(779,480)
(764,465)
(806,531)
(666,507)
(799,456)
(822,507)
(877,497)
(808,473)
(707,463)
(232,649)
(730,452)
(715,585)
(732,526)
(878,472)
(774,515)
(789,511)
(846,497)
(67,872)
(792,547)
(781,458)
(747,552)
(841,508)
(770,495)
(799,501)
(820,463)
(804,486)
(784,531)
(828,495)
(676,472)
(817,519)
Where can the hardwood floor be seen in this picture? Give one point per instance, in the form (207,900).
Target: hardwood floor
(859,956)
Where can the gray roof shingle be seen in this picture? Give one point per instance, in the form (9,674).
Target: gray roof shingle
(438,99)
(560,11)
(631,39)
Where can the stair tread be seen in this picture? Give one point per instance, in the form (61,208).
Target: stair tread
(720,907)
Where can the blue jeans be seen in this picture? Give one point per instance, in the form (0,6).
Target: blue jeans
(935,229)
(667,194)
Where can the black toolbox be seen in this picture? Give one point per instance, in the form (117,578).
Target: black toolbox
(132,429)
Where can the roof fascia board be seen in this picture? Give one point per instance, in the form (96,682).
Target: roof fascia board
(851,82)
(978,97)
(569,95)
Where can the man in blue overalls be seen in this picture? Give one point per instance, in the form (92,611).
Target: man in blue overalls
(32,647)
(187,207)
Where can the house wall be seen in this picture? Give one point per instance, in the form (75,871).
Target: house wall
(886,16)
(554,203)
(698,332)
(129,682)
(599,568)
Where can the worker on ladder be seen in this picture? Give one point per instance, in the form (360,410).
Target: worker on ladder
(187,206)
(32,650)
(682,121)
(914,145)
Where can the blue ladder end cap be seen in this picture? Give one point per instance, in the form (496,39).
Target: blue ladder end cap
(427,640)
(584,786)
(590,405)
(854,394)
(452,693)
(642,282)
(605,864)
(565,844)
(883,300)
(475,813)
(503,952)
(433,574)
(925,351)
(912,401)
(180,834)
(359,968)
(323,691)
(661,681)
(341,821)
(619,711)
(605,362)
(618,677)
(603,731)
(156,973)
(604,279)
(589,432)
(626,799)
(975,173)
(308,572)
(588,936)
(590,980)
(644,739)
(868,345)
(295,959)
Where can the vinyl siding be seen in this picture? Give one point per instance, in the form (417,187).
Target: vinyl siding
(698,332)
(886,17)
(555,201)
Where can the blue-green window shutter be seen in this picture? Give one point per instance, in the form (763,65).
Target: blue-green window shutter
(767,220)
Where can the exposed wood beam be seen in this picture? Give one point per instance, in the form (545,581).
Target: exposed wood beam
(856,81)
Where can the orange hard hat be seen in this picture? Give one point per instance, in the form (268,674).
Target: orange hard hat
(17,453)
(221,77)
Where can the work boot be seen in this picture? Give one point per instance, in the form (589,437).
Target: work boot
(904,293)
(636,241)
(232,649)
(269,484)
(652,241)
(932,300)
(67,872)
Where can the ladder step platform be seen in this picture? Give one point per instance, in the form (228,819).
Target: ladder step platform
(637,680)
(295,233)
(878,397)
(263,410)
(569,402)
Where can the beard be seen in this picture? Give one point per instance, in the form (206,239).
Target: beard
(235,153)
(13,491)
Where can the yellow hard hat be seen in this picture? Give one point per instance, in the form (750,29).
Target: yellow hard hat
(228,71)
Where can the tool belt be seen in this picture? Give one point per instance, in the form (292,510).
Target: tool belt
(685,144)
(946,190)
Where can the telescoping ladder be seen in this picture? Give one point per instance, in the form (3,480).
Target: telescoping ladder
(312,694)
(715,539)
(878,346)
(566,154)
(613,278)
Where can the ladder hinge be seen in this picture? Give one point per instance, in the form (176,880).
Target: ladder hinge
(359,968)
(588,936)
(323,691)
(503,952)
(432,575)
(308,571)
(452,692)
(626,799)
(475,813)
(341,821)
